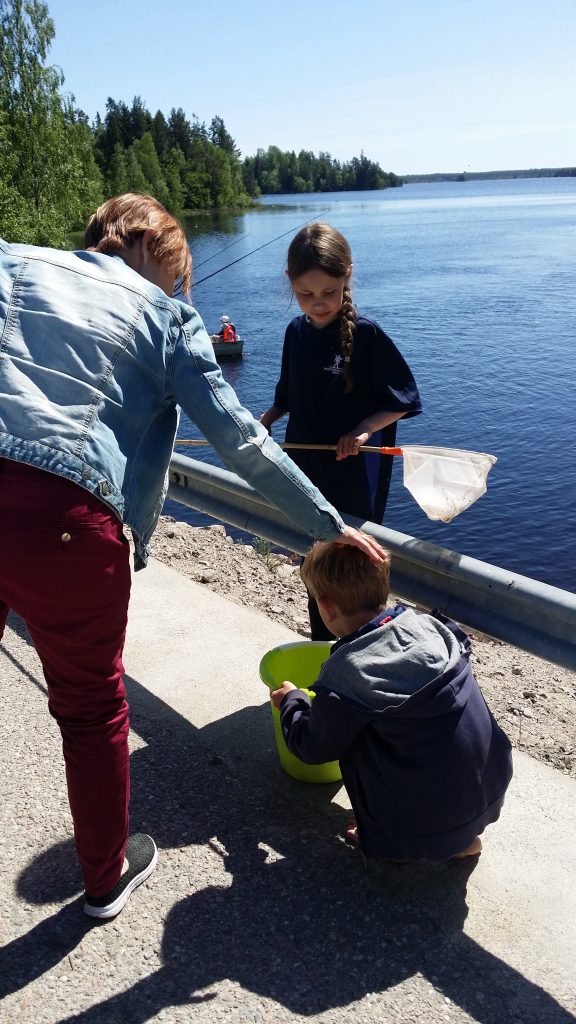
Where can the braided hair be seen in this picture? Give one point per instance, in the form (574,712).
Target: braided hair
(321,247)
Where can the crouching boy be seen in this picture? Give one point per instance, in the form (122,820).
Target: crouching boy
(424,763)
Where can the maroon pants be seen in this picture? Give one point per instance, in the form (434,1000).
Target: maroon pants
(64,568)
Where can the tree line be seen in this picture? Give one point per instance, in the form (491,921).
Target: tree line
(274,172)
(540,172)
(57,167)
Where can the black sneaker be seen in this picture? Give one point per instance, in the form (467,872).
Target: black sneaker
(141,854)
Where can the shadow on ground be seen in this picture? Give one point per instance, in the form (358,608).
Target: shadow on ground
(303,921)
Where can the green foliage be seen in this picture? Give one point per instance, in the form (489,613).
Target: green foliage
(56,168)
(185,165)
(274,172)
(160,134)
(153,180)
(87,177)
(221,138)
(48,177)
(174,163)
(117,179)
(263,549)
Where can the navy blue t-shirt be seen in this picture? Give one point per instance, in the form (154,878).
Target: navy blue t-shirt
(311,389)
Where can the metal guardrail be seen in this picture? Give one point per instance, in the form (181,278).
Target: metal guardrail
(520,611)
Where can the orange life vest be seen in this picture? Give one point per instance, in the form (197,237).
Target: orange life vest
(228,333)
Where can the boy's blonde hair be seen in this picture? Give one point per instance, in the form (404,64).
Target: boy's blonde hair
(120,221)
(347,576)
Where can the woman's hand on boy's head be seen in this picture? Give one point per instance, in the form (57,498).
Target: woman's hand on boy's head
(361,540)
(277,696)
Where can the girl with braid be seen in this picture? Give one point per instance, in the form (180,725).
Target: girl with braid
(342,382)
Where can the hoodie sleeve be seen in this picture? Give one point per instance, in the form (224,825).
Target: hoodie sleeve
(322,729)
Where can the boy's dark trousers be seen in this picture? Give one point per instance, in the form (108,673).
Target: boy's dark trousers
(317,628)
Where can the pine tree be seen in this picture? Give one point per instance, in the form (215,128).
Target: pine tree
(155,183)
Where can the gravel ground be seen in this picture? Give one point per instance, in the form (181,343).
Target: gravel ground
(533,700)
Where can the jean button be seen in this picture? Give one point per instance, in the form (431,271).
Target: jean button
(66,537)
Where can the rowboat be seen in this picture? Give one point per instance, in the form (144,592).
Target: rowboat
(228,349)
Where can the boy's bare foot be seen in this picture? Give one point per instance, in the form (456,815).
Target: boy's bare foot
(351,834)
(470,851)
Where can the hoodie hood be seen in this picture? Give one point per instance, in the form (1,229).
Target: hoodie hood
(390,659)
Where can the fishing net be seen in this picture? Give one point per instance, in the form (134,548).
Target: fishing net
(445,481)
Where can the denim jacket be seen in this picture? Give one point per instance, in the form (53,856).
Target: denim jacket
(94,364)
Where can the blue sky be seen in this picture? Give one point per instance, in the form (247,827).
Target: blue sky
(430,85)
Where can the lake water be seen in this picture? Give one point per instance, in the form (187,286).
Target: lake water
(476,284)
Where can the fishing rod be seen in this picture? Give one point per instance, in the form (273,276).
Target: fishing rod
(220,251)
(257,249)
(178,289)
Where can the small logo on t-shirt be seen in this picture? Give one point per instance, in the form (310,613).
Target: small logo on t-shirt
(336,366)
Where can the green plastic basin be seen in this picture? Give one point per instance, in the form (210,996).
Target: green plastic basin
(300,663)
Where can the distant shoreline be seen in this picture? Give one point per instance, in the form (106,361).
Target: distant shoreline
(541,172)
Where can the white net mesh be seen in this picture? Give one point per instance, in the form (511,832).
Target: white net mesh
(445,481)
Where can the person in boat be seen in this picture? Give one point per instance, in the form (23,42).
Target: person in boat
(227,330)
(96,360)
(342,382)
(423,760)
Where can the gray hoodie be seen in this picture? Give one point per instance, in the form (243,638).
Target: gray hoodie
(381,667)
